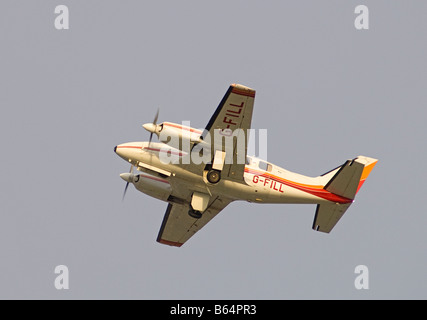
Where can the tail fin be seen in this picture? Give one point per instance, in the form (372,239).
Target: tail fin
(346,182)
(350,177)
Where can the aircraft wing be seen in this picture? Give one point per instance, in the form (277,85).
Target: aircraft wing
(177,226)
(233,113)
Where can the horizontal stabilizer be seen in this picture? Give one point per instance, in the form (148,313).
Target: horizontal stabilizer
(327,216)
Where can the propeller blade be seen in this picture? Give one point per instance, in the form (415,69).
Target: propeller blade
(127,183)
(124,193)
(154,123)
(156,117)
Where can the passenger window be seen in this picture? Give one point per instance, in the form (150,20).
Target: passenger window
(265,166)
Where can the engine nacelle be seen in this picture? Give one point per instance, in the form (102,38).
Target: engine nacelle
(153,186)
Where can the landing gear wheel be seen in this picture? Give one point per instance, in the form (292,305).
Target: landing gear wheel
(213,176)
(194,213)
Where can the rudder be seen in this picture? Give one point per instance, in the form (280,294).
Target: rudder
(351,176)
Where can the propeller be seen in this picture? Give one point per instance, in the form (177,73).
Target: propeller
(126,177)
(154,123)
(149,127)
(152,127)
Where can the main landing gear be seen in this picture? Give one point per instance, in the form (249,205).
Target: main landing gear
(194,213)
(213,176)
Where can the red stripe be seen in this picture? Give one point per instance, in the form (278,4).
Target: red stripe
(181,127)
(170,243)
(317,191)
(360,185)
(134,147)
(242,92)
(160,150)
(151,149)
(154,178)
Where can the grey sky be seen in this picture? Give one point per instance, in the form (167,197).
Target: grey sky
(325,91)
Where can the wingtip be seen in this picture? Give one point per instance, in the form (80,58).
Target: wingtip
(242,90)
(170,243)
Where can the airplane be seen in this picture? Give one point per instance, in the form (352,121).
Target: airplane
(197,191)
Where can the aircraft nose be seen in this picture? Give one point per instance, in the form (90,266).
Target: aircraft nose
(119,150)
(128,150)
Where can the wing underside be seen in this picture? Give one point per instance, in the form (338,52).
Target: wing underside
(177,226)
(231,120)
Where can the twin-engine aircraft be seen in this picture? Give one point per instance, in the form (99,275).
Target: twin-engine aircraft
(205,172)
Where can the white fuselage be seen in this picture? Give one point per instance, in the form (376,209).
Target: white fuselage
(263,182)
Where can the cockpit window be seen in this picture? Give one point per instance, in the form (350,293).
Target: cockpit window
(248,161)
(265,166)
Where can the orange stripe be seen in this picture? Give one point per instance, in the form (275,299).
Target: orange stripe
(367,170)
(315,190)
(316,187)
(365,173)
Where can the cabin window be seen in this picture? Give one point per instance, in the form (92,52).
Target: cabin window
(265,166)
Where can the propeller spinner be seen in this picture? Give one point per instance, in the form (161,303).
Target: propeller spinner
(127,177)
(152,127)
